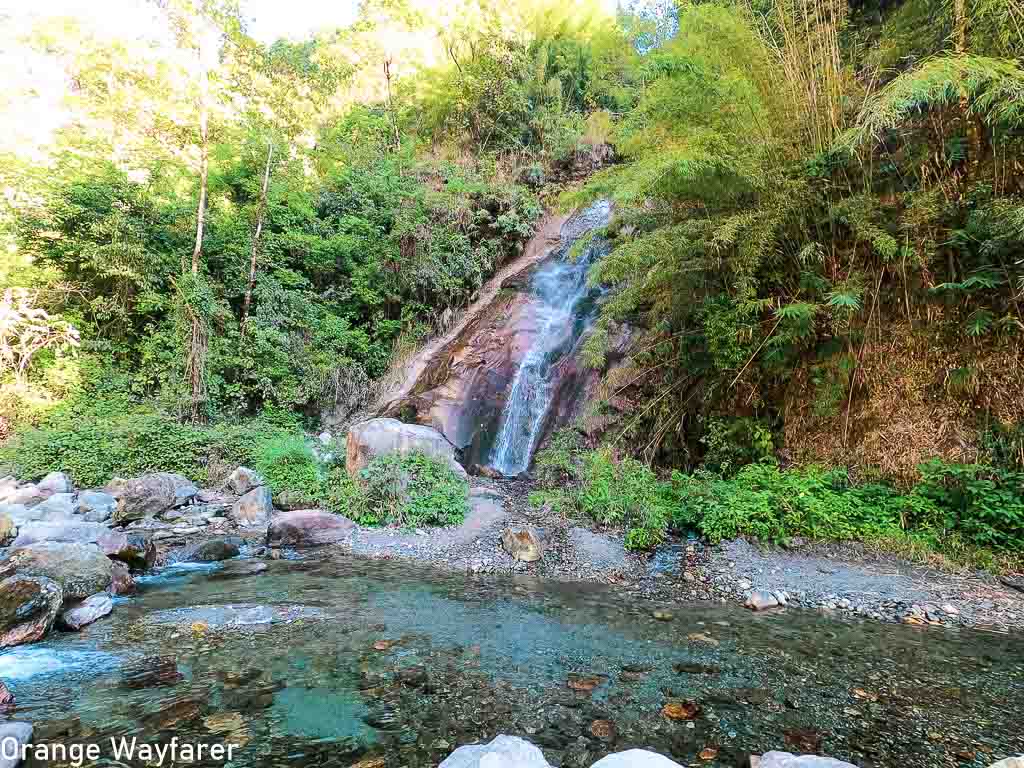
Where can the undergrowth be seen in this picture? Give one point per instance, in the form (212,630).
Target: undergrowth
(969,512)
(410,491)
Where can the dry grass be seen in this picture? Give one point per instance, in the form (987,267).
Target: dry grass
(904,410)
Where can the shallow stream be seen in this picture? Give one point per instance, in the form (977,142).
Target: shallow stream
(352,661)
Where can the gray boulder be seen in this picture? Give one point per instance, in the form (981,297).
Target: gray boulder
(787,760)
(379,437)
(28,607)
(131,547)
(243,480)
(80,569)
(96,506)
(523,544)
(502,752)
(82,614)
(59,506)
(635,758)
(16,735)
(56,482)
(28,494)
(254,509)
(308,528)
(151,495)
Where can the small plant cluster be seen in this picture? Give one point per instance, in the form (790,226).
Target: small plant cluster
(953,507)
(411,491)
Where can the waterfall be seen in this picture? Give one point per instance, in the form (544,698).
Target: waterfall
(564,310)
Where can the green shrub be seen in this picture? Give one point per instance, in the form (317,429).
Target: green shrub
(411,490)
(287,464)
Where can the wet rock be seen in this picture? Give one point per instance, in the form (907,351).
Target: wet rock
(91,609)
(243,480)
(502,752)
(134,549)
(414,677)
(787,760)
(96,506)
(1010,762)
(379,437)
(80,569)
(151,495)
(6,698)
(55,482)
(308,528)
(212,551)
(239,569)
(254,509)
(121,581)
(28,608)
(59,506)
(8,531)
(761,601)
(681,710)
(524,544)
(635,758)
(13,736)
(151,672)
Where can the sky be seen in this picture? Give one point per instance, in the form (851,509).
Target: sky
(268,19)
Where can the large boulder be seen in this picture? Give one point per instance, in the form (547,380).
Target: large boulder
(28,494)
(96,506)
(787,760)
(308,528)
(82,614)
(56,482)
(59,506)
(254,509)
(80,569)
(502,752)
(14,736)
(151,495)
(379,437)
(131,547)
(28,607)
(635,758)
(243,480)
(18,513)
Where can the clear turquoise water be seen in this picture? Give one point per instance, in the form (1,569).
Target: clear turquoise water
(330,663)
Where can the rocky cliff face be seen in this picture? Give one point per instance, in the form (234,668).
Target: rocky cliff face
(461,384)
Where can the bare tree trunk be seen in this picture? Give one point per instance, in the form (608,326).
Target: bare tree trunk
(391,103)
(260,212)
(198,340)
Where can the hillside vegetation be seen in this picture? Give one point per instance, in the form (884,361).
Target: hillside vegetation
(818,231)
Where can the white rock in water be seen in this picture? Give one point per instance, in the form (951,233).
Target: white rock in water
(503,752)
(788,760)
(635,758)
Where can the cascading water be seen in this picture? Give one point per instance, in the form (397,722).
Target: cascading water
(565,311)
